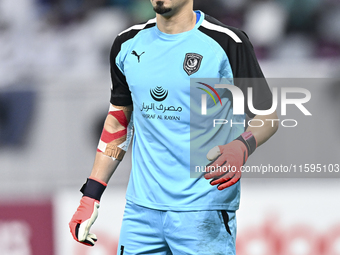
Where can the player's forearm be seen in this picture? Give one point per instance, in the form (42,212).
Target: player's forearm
(103,167)
(263,133)
(113,142)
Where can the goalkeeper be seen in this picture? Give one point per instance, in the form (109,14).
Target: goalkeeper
(167,212)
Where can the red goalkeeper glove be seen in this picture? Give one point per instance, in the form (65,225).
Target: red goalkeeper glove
(87,212)
(225,170)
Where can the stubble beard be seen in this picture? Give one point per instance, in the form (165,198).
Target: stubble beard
(160,8)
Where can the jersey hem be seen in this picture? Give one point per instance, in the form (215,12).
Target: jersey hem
(183,208)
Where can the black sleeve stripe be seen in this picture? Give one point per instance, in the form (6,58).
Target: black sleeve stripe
(208,25)
(120,93)
(242,59)
(243,65)
(140,27)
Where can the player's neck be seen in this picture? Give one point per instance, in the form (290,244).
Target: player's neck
(180,22)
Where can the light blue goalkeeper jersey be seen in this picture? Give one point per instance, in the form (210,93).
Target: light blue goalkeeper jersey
(164,76)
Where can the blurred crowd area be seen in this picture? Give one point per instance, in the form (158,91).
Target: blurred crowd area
(39,36)
(54,96)
(55,79)
(48,42)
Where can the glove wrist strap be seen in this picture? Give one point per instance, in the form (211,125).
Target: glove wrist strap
(249,140)
(93,189)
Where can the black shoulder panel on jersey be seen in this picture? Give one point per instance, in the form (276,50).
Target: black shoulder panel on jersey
(242,59)
(134,30)
(120,93)
(240,52)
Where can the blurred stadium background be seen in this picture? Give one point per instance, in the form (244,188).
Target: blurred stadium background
(54,95)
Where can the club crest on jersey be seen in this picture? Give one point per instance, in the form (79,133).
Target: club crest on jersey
(192,63)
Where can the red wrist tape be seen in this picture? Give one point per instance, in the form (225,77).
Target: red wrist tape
(114,144)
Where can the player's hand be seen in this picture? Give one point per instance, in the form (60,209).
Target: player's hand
(87,211)
(225,169)
(227,161)
(83,219)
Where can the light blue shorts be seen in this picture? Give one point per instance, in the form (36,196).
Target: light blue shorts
(149,231)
